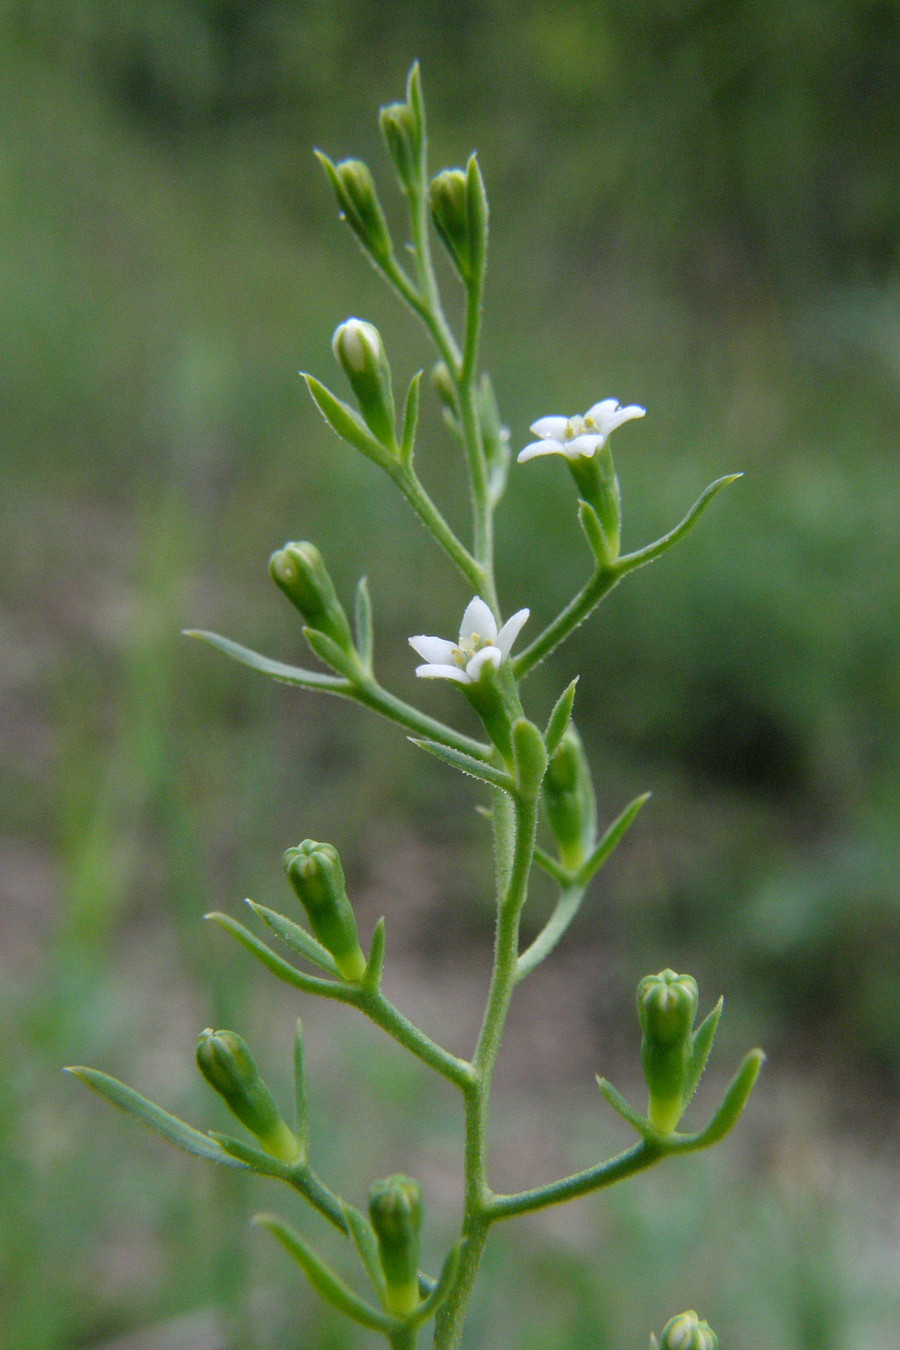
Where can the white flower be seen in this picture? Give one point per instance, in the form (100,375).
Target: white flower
(479,646)
(574,436)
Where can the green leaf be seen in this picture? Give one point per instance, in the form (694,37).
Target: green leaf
(441,1290)
(728,1114)
(256,1158)
(466,764)
(410,420)
(701,1046)
(296,938)
(327,650)
(629,561)
(627,1111)
(366,1243)
(611,838)
(365,639)
(346,422)
(371,980)
(176,1131)
(595,534)
(310,984)
(323,1279)
(560,717)
(277,670)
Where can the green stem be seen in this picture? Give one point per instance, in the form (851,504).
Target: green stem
(635,1159)
(372,695)
(575,612)
(434,522)
(513,890)
(564,911)
(385,1015)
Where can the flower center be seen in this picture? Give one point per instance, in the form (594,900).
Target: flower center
(574,427)
(467,648)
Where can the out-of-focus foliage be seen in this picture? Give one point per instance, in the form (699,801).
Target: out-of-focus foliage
(694,206)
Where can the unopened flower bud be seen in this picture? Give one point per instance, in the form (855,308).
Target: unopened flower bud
(395,1208)
(688,1332)
(298,569)
(227,1065)
(403,137)
(360,351)
(354,188)
(667,1007)
(569,801)
(316,874)
(443,386)
(459,212)
(448,211)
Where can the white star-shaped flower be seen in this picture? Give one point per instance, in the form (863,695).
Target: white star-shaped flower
(480,645)
(574,436)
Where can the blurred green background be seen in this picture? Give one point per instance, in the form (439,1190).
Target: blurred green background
(695,206)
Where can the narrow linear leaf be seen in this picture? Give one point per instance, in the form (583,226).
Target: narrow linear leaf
(176,1131)
(310,984)
(366,1243)
(441,1289)
(733,1103)
(627,1111)
(277,670)
(701,1047)
(551,866)
(365,638)
(323,1279)
(410,419)
(629,561)
(371,980)
(595,534)
(611,838)
(476,768)
(256,1158)
(297,938)
(327,650)
(560,717)
(345,421)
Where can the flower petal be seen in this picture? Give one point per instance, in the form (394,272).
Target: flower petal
(488,656)
(440,672)
(433,648)
(550,428)
(607,415)
(510,631)
(540,448)
(478,621)
(584,445)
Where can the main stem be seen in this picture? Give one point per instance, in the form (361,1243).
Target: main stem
(515,855)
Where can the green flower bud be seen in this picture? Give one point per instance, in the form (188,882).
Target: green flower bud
(354,188)
(395,1208)
(227,1065)
(667,1007)
(443,386)
(569,801)
(299,571)
(459,211)
(688,1332)
(315,872)
(403,137)
(448,211)
(360,351)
